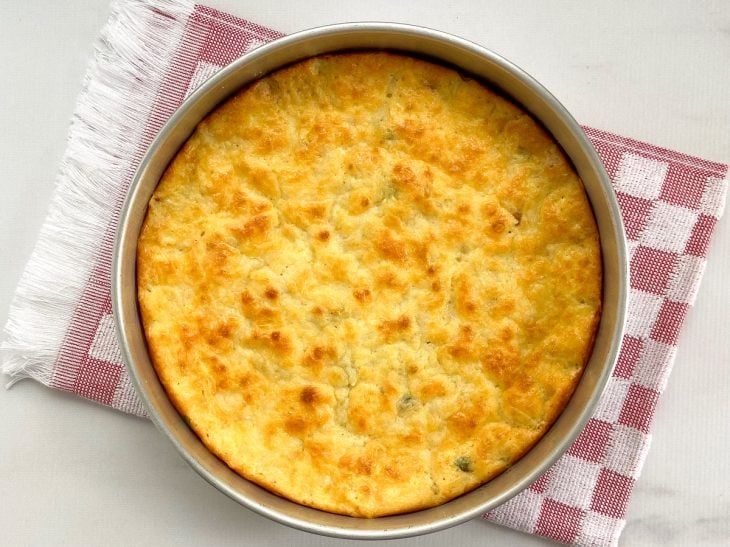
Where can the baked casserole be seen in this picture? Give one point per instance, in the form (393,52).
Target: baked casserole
(369,283)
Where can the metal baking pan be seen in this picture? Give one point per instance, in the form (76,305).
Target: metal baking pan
(468,58)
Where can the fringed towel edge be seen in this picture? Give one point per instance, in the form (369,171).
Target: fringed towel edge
(134,46)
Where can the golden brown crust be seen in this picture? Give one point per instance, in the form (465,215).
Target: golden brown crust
(369,283)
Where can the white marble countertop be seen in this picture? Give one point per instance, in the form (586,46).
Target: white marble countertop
(75,473)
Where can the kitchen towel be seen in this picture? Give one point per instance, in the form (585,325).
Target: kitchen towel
(150,56)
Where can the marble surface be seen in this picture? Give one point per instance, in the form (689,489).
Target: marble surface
(75,473)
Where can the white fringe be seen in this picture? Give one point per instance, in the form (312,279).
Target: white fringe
(130,59)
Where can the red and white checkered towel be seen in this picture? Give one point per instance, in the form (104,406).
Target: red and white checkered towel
(153,53)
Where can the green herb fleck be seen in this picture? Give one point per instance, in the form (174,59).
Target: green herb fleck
(322,67)
(522,153)
(465,464)
(406,404)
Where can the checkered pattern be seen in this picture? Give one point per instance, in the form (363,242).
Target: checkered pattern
(670,204)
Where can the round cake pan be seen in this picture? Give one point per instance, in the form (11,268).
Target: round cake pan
(471,59)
